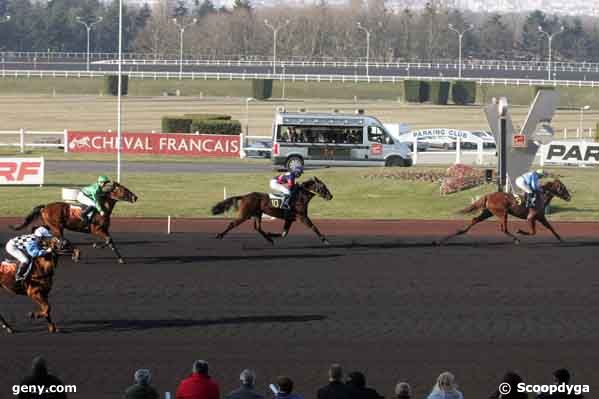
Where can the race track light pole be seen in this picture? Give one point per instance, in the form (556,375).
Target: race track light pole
(120,89)
(550,38)
(502,106)
(275,31)
(181,31)
(359,25)
(88,27)
(460,37)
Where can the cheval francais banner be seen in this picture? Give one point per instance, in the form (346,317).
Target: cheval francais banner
(205,145)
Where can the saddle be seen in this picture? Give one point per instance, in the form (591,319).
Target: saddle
(75,211)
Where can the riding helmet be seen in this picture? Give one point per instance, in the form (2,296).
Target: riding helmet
(42,232)
(103,179)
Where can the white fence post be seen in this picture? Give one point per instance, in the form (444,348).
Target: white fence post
(479,152)
(542,152)
(242,153)
(458,150)
(565,133)
(22,139)
(415,151)
(66,140)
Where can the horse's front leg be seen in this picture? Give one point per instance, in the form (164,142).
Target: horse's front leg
(258,228)
(44,312)
(545,223)
(108,242)
(531,221)
(306,220)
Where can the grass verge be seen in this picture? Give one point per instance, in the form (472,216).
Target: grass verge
(192,195)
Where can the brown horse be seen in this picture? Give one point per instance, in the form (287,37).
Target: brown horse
(254,205)
(503,204)
(36,286)
(58,216)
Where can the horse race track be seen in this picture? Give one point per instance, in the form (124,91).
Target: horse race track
(380,299)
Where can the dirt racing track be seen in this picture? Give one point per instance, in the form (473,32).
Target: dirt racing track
(381,299)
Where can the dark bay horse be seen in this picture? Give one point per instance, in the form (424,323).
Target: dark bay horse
(58,216)
(36,286)
(254,205)
(503,204)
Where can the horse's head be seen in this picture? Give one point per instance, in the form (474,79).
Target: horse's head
(118,192)
(317,187)
(557,188)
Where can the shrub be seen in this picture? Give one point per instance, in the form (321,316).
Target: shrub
(208,116)
(262,89)
(463,92)
(439,92)
(176,124)
(416,91)
(232,127)
(112,84)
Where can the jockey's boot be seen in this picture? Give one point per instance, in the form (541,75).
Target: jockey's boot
(21,271)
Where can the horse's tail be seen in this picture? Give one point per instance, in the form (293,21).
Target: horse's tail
(478,204)
(225,205)
(34,214)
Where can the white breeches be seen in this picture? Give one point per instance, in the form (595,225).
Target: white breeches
(523,186)
(85,200)
(275,186)
(19,255)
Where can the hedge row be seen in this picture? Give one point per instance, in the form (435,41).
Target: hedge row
(438,92)
(111,83)
(262,89)
(202,123)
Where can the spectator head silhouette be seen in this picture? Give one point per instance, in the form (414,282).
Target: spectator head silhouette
(335,372)
(285,384)
(38,366)
(248,378)
(562,376)
(142,377)
(446,382)
(356,379)
(200,367)
(403,391)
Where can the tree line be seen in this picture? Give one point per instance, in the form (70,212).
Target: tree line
(313,31)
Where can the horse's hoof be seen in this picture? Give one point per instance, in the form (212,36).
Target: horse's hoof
(53,329)
(95,245)
(31,315)
(8,329)
(219,236)
(121,261)
(326,242)
(516,242)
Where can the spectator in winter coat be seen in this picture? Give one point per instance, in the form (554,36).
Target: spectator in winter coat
(142,389)
(246,391)
(198,385)
(335,389)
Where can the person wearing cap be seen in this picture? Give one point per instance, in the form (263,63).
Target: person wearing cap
(284,388)
(248,384)
(91,197)
(40,377)
(198,385)
(530,183)
(561,376)
(27,247)
(286,184)
(142,389)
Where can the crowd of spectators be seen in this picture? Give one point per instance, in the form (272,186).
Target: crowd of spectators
(200,385)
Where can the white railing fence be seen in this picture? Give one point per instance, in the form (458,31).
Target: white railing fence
(6,73)
(24,138)
(576,133)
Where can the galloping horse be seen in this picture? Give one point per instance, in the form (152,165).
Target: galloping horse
(503,204)
(37,286)
(256,204)
(60,215)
